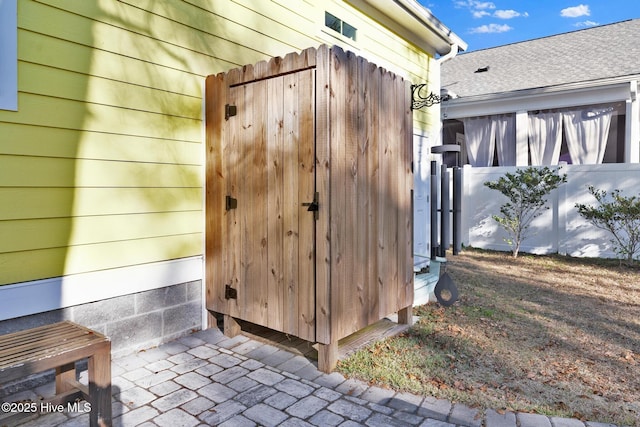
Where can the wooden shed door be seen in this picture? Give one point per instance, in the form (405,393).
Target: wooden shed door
(268,162)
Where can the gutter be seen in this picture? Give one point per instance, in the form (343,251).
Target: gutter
(424,15)
(452,53)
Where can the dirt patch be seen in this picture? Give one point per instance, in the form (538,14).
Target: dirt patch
(545,334)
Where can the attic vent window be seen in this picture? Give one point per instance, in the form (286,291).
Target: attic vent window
(338,25)
(482,69)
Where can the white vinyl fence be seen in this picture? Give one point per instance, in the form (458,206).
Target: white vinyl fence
(558,230)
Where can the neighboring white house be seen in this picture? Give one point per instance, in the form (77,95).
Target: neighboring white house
(569,97)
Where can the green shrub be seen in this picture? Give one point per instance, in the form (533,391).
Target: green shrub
(526,190)
(620,216)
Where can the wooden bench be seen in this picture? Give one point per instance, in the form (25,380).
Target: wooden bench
(59,346)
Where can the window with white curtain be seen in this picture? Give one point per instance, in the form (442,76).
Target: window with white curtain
(505,139)
(8,55)
(591,134)
(578,135)
(480,140)
(587,131)
(545,137)
(489,137)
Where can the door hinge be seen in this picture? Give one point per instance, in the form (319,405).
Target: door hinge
(230,203)
(230,293)
(230,111)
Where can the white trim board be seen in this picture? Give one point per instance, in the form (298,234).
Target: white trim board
(22,299)
(530,100)
(8,55)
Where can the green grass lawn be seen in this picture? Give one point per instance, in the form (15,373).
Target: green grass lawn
(543,334)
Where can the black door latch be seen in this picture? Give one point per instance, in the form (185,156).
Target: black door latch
(313,206)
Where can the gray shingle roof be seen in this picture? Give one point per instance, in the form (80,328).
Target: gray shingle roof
(580,56)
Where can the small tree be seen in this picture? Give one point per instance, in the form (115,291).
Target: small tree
(619,216)
(526,190)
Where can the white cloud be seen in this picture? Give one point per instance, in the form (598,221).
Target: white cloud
(483,5)
(586,24)
(480,9)
(480,13)
(576,11)
(474,4)
(508,14)
(491,28)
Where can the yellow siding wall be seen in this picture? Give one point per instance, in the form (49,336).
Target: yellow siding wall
(101,166)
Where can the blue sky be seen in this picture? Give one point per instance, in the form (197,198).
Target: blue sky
(484,24)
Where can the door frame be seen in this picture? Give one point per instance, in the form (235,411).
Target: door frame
(218,89)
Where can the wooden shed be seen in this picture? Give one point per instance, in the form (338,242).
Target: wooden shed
(309,196)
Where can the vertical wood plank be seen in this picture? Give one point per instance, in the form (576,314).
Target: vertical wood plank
(245,126)
(361,207)
(276,307)
(351,280)
(323,168)
(214,185)
(393,199)
(388,216)
(215,94)
(407,166)
(256,230)
(291,281)
(373,137)
(260,193)
(262,69)
(383,191)
(232,165)
(306,189)
(400,191)
(308,58)
(338,119)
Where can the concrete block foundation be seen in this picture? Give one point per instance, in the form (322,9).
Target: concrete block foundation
(132,322)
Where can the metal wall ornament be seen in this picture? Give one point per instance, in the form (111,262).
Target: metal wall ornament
(418,100)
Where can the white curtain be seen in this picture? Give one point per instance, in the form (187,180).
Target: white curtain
(587,132)
(506,139)
(479,136)
(545,138)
